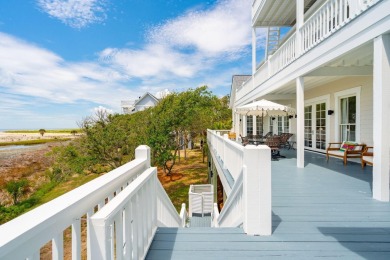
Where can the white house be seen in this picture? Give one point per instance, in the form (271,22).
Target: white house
(142,103)
(333,67)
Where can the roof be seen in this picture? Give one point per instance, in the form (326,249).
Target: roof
(146,94)
(237,81)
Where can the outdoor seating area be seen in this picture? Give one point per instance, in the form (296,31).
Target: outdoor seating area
(344,150)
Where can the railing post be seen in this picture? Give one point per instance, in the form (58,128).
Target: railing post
(143,152)
(257,190)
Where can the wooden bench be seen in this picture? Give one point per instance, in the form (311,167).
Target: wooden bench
(344,150)
(367,156)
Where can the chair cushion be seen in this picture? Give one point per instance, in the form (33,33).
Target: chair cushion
(336,152)
(349,146)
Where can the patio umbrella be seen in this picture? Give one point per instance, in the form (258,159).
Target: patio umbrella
(265,108)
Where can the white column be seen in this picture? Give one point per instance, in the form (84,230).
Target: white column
(253,50)
(381,109)
(300,19)
(300,122)
(257,190)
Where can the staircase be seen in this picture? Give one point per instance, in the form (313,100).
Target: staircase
(195,243)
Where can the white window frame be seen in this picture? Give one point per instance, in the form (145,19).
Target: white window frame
(344,94)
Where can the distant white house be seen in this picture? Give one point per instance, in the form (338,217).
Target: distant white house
(142,103)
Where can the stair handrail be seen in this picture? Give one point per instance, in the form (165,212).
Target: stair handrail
(232,211)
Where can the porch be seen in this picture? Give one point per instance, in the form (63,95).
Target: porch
(322,210)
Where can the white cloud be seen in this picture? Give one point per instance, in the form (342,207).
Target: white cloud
(29,70)
(223,29)
(102,109)
(75,13)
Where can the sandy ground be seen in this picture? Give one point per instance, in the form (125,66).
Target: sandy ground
(15,137)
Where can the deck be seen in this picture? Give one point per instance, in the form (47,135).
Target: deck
(324,210)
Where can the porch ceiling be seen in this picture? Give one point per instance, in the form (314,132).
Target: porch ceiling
(358,62)
(278,13)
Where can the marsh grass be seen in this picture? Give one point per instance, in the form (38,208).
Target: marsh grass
(34,142)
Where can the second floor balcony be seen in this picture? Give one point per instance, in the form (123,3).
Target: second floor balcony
(325,25)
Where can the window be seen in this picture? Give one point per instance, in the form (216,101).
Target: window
(249,125)
(348,118)
(271,125)
(259,125)
(283,124)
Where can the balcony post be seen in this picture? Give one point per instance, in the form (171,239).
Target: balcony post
(300,122)
(381,96)
(257,190)
(300,19)
(143,152)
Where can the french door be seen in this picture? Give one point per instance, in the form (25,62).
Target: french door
(315,126)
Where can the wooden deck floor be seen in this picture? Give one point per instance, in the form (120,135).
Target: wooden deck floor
(325,210)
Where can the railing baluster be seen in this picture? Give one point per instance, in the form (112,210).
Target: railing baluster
(58,246)
(76,239)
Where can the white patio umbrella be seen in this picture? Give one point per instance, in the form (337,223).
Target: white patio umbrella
(265,108)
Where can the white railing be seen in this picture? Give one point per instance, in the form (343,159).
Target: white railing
(233,209)
(32,230)
(23,237)
(125,227)
(215,216)
(167,215)
(329,18)
(230,152)
(283,56)
(249,202)
(183,215)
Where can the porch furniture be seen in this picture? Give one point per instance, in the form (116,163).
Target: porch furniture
(256,139)
(284,137)
(344,150)
(244,140)
(273,142)
(368,156)
(232,136)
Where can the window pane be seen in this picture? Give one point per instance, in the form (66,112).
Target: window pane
(352,110)
(344,111)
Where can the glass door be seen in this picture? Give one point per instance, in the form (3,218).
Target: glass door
(315,126)
(308,126)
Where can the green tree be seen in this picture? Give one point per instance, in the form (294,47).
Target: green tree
(16,189)
(42,131)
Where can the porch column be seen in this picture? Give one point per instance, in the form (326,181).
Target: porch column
(381,97)
(253,51)
(300,122)
(300,19)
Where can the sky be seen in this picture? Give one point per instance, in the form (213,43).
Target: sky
(61,60)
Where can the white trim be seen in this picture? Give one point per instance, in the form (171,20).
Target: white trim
(343,94)
(316,100)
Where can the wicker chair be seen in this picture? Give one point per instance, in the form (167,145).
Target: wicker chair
(284,137)
(367,156)
(352,151)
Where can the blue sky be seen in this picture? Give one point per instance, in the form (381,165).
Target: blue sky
(62,59)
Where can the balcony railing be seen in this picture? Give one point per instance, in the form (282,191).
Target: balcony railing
(249,202)
(329,18)
(120,211)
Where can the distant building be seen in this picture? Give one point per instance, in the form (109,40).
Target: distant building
(142,103)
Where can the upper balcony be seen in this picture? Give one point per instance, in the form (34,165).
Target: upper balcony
(322,20)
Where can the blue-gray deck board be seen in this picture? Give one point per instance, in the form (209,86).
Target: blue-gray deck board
(324,210)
